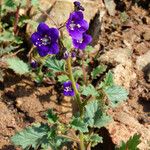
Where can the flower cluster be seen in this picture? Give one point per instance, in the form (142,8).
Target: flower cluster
(46,40)
(77,27)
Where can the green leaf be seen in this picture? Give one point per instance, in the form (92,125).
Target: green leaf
(55,65)
(63,78)
(98,70)
(116,94)
(94,116)
(79,124)
(7,36)
(131,144)
(9,3)
(89,90)
(35,2)
(67,43)
(31,136)
(108,81)
(77,74)
(17,65)
(89,48)
(7,49)
(94,139)
(52,118)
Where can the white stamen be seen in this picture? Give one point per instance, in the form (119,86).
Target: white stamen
(67,89)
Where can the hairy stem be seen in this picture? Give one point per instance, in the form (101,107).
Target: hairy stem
(77,94)
(74,85)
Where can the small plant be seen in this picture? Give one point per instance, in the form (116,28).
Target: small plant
(63,58)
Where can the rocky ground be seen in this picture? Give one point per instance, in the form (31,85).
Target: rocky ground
(121,39)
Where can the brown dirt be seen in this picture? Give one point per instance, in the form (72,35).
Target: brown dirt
(22,102)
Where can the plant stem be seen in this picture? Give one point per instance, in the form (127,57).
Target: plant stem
(74,85)
(82,146)
(77,94)
(16,19)
(84,72)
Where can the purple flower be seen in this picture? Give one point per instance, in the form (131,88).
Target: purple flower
(34,64)
(46,40)
(68,89)
(78,6)
(65,55)
(76,25)
(73,54)
(83,42)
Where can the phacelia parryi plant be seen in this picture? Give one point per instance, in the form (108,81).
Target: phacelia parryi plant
(62,57)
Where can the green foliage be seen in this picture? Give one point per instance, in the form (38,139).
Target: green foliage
(89,48)
(79,124)
(94,139)
(35,2)
(7,49)
(63,78)
(67,42)
(17,65)
(131,144)
(39,135)
(94,116)
(108,81)
(123,17)
(98,70)
(116,94)
(55,65)
(8,36)
(31,137)
(89,90)
(52,118)
(78,73)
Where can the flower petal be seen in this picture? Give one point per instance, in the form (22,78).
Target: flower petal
(43,50)
(54,49)
(75,43)
(76,16)
(70,93)
(42,28)
(86,41)
(84,26)
(53,33)
(34,38)
(75,34)
(87,38)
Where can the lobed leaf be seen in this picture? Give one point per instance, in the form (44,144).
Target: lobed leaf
(31,136)
(89,90)
(108,81)
(116,94)
(55,65)
(98,70)
(94,139)
(52,118)
(131,144)
(94,116)
(17,65)
(63,78)
(79,124)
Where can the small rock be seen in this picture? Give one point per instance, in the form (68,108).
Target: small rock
(123,71)
(146,35)
(30,105)
(143,60)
